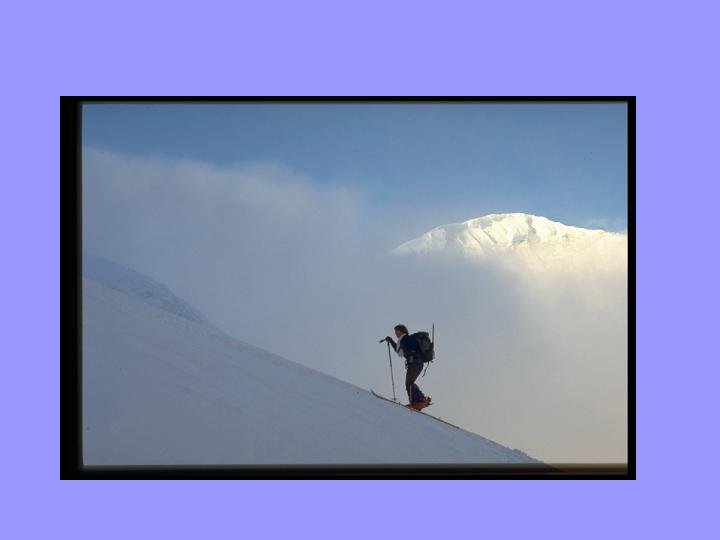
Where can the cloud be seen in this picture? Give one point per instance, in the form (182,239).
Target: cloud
(304,271)
(617,224)
(215,234)
(536,362)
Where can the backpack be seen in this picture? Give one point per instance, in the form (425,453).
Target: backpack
(420,345)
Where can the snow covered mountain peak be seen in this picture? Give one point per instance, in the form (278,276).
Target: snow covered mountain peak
(535,241)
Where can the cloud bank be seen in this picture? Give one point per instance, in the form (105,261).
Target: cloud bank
(537,363)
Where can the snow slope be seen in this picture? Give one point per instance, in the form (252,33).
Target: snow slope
(534,242)
(123,279)
(160,387)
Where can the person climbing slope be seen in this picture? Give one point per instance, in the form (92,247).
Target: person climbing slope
(408,348)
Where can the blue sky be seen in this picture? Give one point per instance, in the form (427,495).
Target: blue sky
(450,162)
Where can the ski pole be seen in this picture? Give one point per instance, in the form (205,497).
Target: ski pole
(392,378)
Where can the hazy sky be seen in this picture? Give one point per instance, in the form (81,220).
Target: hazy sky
(276,222)
(450,162)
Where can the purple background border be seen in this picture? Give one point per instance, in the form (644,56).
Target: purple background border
(661,53)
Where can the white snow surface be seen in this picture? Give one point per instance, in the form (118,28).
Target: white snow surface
(163,388)
(533,242)
(123,279)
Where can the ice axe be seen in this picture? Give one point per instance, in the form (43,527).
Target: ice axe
(433,342)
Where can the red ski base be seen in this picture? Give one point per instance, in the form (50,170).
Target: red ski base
(416,410)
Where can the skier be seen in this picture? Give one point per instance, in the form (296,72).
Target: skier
(407,348)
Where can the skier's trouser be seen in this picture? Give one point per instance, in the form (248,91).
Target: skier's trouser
(412,373)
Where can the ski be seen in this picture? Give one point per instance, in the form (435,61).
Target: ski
(415,410)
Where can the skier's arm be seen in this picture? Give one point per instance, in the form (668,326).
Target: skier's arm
(399,348)
(391,342)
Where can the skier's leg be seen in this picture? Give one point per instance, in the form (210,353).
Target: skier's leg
(408,383)
(417,394)
(413,371)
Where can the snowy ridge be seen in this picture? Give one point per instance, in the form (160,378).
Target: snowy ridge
(160,388)
(535,241)
(139,285)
